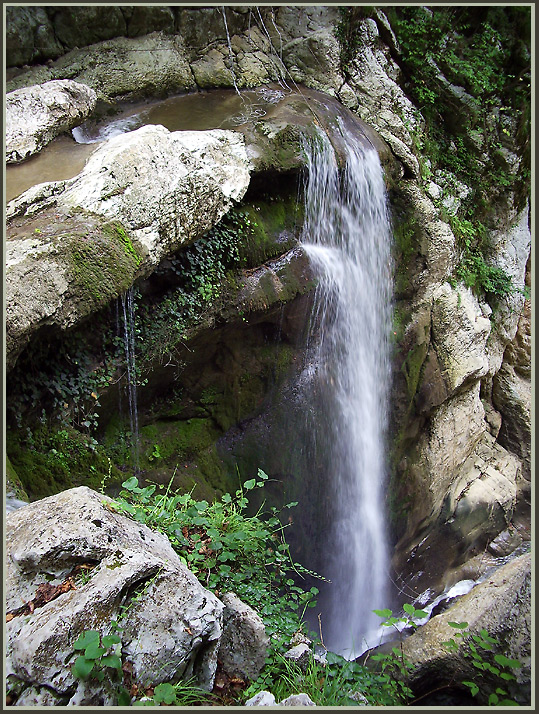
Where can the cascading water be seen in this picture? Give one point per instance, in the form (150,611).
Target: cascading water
(347,236)
(128,313)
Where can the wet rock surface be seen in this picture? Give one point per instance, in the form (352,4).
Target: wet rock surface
(36,115)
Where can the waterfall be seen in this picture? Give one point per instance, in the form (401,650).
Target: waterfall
(129,348)
(345,383)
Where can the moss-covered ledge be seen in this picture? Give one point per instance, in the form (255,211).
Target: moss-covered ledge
(62,267)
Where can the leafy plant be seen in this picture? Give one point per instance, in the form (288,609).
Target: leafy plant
(182,694)
(227,549)
(99,659)
(475,646)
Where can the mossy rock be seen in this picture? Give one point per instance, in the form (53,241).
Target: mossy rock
(275,227)
(55,459)
(14,486)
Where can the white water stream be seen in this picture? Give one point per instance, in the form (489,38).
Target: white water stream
(347,236)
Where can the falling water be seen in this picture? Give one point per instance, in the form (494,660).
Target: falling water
(129,347)
(347,236)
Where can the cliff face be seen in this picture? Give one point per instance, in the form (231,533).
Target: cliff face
(456,158)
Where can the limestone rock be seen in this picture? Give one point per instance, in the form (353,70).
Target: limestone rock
(170,625)
(510,250)
(455,428)
(144,19)
(374,78)
(244,642)
(124,67)
(153,181)
(29,36)
(501,605)
(261,699)
(314,61)
(85,25)
(36,115)
(511,394)
(297,700)
(483,496)
(299,654)
(459,335)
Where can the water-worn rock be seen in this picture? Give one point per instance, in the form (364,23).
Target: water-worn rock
(502,606)
(509,250)
(297,700)
(261,699)
(29,36)
(459,335)
(155,182)
(374,79)
(170,625)
(244,643)
(454,430)
(511,394)
(36,115)
(126,67)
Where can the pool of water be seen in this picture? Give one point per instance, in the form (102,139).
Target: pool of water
(65,157)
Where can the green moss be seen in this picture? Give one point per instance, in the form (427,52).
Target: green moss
(13,481)
(274,225)
(411,368)
(116,230)
(49,460)
(102,263)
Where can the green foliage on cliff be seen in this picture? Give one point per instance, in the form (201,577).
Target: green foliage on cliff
(468,72)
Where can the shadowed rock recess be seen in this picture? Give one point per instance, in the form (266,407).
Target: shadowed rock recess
(158,305)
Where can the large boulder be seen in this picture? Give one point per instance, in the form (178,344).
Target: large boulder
(244,642)
(501,605)
(128,67)
(170,626)
(67,255)
(36,115)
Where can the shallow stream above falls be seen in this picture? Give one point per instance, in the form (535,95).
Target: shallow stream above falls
(274,105)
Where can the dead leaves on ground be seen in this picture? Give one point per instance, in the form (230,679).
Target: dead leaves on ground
(46,592)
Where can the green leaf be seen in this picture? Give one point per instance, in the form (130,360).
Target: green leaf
(112,660)
(85,639)
(124,698)
(458,625)
(109,640)
(493,699)
(164,693)
(82,667)
(262,474)
(248,485)
(409,609)
(131,483)
(474,689)
(504,661)
(93,650)
(383,613)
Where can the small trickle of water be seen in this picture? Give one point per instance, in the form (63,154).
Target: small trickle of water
(230,52)
(129,347)
(347,236)
(12,504)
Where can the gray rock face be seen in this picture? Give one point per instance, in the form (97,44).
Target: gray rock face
(244,642)
(170,625)
(124,67)
(155,182)
(36,115)
(29,36)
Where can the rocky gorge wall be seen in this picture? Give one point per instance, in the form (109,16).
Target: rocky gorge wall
(461,427)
